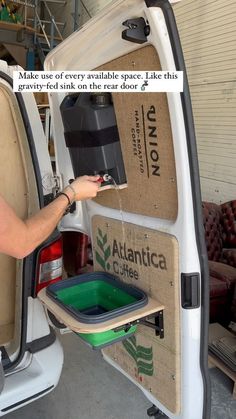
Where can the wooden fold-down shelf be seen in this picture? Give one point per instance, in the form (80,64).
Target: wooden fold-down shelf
(152,307)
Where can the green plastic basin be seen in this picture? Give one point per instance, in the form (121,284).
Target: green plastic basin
(98,297)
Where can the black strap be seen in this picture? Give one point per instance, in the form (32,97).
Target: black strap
(99,138)
(67,210)
(65,194)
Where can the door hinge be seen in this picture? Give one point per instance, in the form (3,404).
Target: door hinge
(57,184)
(137,31)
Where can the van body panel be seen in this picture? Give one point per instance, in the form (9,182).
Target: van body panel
(37,320)
(99,45)
(43,373)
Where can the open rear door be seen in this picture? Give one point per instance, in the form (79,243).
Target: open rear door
(150,234)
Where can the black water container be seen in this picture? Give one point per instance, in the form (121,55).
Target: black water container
(91,134)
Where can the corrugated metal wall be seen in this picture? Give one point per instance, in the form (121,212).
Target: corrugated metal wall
(208,33)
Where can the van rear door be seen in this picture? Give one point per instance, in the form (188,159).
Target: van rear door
(150,233)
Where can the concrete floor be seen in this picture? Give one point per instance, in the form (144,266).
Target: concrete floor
(91,388)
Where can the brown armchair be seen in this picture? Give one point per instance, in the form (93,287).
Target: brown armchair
(220,233)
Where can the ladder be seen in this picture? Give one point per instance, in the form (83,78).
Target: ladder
(33,34)
(46,31)
(37,32)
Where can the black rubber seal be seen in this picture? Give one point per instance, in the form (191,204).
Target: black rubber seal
(84,139)
(41,343)
(13,406)
(155,3)
(48,198)
(26,275)
(196,194)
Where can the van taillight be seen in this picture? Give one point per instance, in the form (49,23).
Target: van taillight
(49,265)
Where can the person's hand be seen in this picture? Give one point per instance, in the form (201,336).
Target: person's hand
(84,187)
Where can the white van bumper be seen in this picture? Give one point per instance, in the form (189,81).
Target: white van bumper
(33,382)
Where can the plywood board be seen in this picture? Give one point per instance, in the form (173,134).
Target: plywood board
(146,141)
(148,259)
(15,27)
(12,188)
(6,333)
(73,324)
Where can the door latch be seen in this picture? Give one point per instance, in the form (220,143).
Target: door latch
(57,183)
(137,31)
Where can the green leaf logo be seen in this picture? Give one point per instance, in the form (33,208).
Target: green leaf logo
(104,251)
(142,356)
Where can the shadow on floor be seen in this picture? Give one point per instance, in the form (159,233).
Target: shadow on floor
(91,388)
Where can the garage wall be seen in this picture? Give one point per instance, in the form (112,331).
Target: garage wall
(208,34)
(65,12)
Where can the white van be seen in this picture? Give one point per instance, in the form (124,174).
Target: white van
(157,243)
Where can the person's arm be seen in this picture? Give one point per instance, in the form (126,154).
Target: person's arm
(19,238)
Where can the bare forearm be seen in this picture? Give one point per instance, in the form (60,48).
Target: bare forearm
(19,238)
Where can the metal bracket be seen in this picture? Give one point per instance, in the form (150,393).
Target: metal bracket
(158,326)
(137,31)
